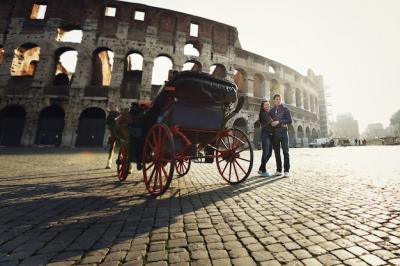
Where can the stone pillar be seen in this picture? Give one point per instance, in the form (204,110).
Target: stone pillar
(71,126)
(31,123)
(118,70)
(5,67)
(45,70)
(147,75)
(83,72)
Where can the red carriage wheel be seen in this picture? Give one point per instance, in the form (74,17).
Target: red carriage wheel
(158,159)
(182,166)
(234,156)
(122,163)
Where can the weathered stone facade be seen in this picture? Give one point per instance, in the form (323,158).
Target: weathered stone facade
(29,85)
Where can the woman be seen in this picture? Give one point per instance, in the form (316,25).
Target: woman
(266,137)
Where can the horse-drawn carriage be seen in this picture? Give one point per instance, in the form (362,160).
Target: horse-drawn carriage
(185,122)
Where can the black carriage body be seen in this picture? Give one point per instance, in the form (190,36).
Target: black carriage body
(195,103)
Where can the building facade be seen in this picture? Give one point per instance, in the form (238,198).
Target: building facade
(65,64)
(346,127)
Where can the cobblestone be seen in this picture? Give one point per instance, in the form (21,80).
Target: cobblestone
(60,207)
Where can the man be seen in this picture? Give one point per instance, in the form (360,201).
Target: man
(281,116)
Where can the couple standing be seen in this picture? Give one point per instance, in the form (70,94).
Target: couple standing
(274,135)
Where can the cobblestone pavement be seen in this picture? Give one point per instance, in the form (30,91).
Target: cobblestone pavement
(339,207)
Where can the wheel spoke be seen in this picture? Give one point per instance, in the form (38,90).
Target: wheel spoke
(245,149)
(243,159)
(223,142)
(151,165)
(234,167)
(240,167)
(226,165)
(230,170)
(158,172)
(151,176)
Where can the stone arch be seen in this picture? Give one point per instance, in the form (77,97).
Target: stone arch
(240,79)
(298,97)
(191,49)
(241,123)
(12,124)
(314,134)
(300,135)
(103,61)
(66,60)
(50,126)
(91,127)
(275,88)
(26,58)
(308,134)
(218,70)
(69,33)
(133,73)
(292,136)
(192,65)
(162,65)
(259,86)
(272,69)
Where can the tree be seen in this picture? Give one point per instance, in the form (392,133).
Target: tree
(395,121)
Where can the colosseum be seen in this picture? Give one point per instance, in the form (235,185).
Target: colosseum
(65,64)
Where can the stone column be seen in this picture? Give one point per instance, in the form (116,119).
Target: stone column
(31,123)
(71,126)
(147,75)
(5,67)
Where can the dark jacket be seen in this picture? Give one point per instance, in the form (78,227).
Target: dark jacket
(265,121)
(281,114)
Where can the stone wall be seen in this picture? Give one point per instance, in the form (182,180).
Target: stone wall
(161,33)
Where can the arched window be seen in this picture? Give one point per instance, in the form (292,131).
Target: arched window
(192,65)
(275,88)
(218,70)
(67,59)
(190,50)
(271,69)
(103,60)
(12,123)
(162,65)
(92,123)
(51,126)
(26,58)
(70,34)
(240,79)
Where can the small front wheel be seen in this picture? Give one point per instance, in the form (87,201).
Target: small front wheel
(182,166)
(234,156)
(122,163)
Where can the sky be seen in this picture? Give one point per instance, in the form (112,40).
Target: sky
(354,44)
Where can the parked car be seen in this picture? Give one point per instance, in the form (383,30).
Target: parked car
(321,142)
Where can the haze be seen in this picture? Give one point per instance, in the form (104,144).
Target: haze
(354,44)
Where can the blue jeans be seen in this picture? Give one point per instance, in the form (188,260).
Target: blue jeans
(266,143)
(281,139)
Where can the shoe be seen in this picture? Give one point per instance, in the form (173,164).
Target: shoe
(286,174)
(264,174)
(260,172)
(277,173)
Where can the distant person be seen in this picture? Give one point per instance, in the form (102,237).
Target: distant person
(359,142)
(281,116)
(355,142)
(266,137)
(364,142)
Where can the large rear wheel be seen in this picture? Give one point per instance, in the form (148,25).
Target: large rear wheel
(158,159)
(234,156)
